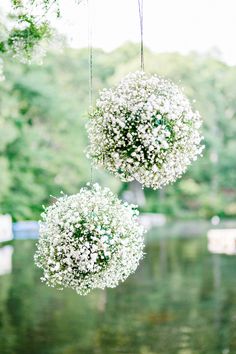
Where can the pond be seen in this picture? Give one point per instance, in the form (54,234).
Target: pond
(182,300)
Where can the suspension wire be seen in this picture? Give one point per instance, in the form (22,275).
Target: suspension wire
(90,51)
(140,7)
(90,61)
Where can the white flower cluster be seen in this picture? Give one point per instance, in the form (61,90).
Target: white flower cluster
(89,240)
(25,54)
(28,32)
(144,129)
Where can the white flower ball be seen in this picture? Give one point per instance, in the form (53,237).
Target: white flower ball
(144,129)
(89,240)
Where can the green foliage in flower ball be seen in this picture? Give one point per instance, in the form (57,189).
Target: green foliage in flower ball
(29,29)
(24,44)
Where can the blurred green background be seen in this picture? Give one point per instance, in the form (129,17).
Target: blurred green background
(43,112)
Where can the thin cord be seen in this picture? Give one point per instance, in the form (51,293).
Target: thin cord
(90,49)
(140,7)
(91,175)
(90,59)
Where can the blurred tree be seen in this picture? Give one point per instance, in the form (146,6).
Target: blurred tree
(43,135)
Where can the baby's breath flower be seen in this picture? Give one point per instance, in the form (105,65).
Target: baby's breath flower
(89,240)
(144,129)
(27,41)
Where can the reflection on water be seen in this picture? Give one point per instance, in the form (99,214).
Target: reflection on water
(6,260)
(182,300)
(222,241)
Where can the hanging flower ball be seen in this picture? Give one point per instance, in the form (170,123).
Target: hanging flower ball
(27,42)
(144,129)
(89,240)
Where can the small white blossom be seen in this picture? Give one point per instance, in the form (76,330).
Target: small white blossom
(104,248)
(144,129)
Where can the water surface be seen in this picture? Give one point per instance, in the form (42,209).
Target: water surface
(182,300)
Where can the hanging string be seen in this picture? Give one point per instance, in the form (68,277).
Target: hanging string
(90,60)
(90,50)
(140,7)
